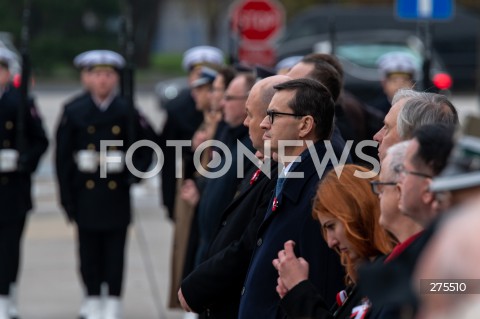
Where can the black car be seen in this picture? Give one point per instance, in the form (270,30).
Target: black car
(359,52)
(454,40)
(167,90)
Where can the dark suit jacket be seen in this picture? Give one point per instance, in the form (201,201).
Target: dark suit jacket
(15,187)
(183,119)
(291,220)
(303,301)
(390,284)
(219,192)
(95,202)
(216,283)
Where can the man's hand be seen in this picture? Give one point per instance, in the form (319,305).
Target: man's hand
(183,302)
(291,270)
(198,138)
(189,192)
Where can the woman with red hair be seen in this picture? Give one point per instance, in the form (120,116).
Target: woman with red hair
(348,212)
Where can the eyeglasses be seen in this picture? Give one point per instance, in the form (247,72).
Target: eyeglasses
(378,187)
(400,169)
(234,97)
(271,115)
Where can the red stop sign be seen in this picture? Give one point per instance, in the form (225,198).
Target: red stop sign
(257,20)
(253,56)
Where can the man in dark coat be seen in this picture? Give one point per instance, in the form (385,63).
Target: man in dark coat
(94,189)
(452,251)
(425,157)
(214,286)
(398,70)
(182,121)
(16,168)
(218,192)
(354,121)
(299,121)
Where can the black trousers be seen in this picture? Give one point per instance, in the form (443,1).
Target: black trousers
(10,246)
(102,255)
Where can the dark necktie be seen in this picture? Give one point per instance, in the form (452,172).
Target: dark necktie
(280,181)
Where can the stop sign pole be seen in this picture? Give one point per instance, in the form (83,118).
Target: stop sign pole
(255,25)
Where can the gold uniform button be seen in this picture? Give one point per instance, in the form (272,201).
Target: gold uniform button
(6,143)
(4,180)
(90,184)
(91,146)
(9,125)
(116,130)
(91,129)
(112,185)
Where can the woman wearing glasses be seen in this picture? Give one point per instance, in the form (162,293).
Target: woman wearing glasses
(348,212)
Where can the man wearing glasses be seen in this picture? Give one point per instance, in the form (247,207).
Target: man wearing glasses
(214,286)
(425,157)
(402,227)
(411,110)
(217,193)
(301,111)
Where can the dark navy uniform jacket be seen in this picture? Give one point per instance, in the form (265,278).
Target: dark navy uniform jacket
(15,187)
(291,220)
(93,202)
(183,119)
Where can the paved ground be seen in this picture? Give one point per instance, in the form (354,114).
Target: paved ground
(50,287)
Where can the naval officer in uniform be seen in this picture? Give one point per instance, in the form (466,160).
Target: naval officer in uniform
(100,206)
(18,161)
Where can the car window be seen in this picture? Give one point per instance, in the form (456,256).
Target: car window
(305,29)
(367,55)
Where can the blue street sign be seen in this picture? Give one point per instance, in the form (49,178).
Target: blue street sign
(425,9)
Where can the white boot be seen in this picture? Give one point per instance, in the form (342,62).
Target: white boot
(12,306)
(91,308)
(113,308)
(190,315)
(4,307)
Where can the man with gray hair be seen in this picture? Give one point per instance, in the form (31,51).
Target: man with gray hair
(428,108)
(402,227)
(425,156)
(410,110)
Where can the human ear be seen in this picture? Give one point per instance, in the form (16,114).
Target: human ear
(428,197)
(306,126)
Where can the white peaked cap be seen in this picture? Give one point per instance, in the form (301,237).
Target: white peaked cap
(99,57)
(6,55)
(397,62)
(200,55)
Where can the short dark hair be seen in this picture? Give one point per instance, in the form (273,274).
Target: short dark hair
(249,80)
(435,144)
(326,70)
(312,98)
(228,74)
